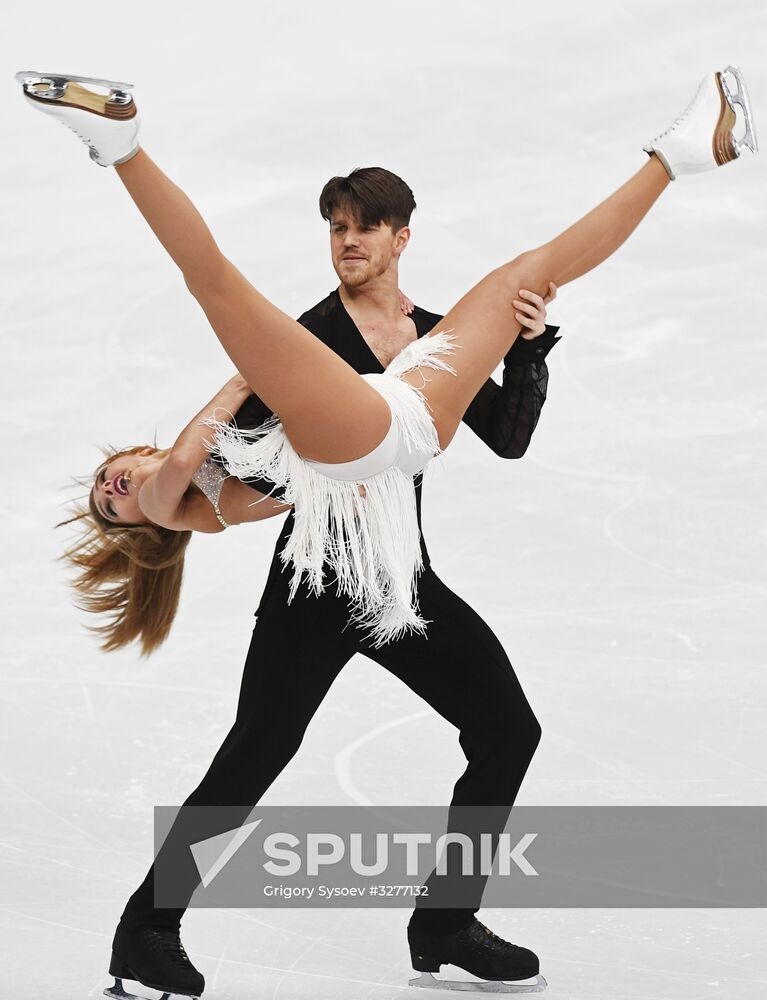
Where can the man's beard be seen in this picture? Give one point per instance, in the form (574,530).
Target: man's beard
(355,276)
(361,273)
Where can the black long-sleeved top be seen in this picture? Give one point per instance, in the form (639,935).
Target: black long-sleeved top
(504,417)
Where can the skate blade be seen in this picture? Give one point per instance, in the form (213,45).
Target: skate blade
(118,992)
(26,75)
(740,97)
(426,980)
(62,89)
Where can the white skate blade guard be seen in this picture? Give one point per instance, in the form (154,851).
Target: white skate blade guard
(469,984)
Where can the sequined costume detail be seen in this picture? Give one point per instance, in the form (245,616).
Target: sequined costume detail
(210,478)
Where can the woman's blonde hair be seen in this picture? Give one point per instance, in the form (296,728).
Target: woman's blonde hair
(133,572)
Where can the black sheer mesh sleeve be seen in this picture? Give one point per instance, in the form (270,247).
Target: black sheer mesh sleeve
(504,417)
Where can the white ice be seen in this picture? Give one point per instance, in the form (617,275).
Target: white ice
(621,562)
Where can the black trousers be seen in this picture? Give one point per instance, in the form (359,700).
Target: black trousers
(296,652)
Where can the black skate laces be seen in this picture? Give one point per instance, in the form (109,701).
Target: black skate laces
(169,944)
(487,933)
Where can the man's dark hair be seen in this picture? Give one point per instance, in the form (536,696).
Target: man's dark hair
(372,195)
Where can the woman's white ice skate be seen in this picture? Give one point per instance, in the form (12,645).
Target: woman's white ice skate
(701,138)
(107,123)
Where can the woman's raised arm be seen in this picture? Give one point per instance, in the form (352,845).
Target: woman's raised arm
(162,498)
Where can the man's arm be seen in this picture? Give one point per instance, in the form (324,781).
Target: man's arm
(504,417)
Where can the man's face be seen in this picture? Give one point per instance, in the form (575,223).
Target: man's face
(361,253)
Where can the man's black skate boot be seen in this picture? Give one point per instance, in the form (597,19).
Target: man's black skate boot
(155,958)
(505,967)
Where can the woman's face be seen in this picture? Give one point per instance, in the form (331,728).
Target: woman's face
(117,486)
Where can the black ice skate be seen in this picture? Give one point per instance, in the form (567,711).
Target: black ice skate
(501,967)
(107,123)
(154,958)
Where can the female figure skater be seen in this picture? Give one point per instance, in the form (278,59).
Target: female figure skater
(338,431)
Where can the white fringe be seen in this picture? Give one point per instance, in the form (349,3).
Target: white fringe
(372,543)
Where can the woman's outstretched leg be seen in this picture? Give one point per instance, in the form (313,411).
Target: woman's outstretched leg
(329,412)
(483,322)
(700,139)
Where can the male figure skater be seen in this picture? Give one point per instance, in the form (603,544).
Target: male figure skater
(297,649)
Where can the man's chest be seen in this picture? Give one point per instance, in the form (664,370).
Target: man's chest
(386,341)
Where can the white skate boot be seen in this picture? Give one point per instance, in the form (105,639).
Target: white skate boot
(701,138)
(107,123)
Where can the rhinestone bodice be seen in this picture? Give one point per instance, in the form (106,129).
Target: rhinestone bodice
(210,478)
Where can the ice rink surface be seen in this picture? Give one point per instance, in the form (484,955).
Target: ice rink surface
(621,561)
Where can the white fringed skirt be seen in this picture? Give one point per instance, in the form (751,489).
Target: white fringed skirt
(371,542)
